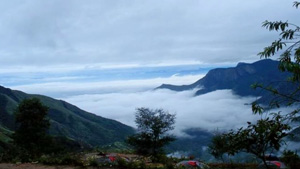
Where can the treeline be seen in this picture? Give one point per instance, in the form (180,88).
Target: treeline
(31,139)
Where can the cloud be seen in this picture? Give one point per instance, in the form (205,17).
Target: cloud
(118,100)
(55,47)
(40,33)
(290,145)
(64,86)
(219,110)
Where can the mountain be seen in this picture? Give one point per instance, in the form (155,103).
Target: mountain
(66,120)
(239,79)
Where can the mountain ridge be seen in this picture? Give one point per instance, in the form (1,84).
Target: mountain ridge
(66,119)
(239,79)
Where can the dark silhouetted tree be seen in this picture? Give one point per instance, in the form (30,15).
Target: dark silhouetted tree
(152,136)
(219,146)
(267,134)
(257,139)
(32,125)
(289,45)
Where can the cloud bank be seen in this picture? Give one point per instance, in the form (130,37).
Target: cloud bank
(118,99)
(64,87)
(219,110)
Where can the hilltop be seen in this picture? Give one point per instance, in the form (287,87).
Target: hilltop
(239,79)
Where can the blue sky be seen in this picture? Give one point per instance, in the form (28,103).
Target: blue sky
(108,50)
(100,74)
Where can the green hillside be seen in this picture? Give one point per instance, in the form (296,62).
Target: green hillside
(66,120)
(4,138)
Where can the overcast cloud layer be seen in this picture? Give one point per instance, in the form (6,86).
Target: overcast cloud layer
(106,56)
(65,33)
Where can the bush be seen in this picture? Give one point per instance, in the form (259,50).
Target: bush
(291,159)
(64,159)
(14,155)
(233,166)
(122,163)
(167,163)
(93,162)
(139,164)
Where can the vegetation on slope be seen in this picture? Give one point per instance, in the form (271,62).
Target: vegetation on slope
(66,120)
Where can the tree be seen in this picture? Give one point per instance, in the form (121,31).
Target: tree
(289,59)
(291,159)
(32,125)
(219,146)
(257,139)
(267,134)
(152,136)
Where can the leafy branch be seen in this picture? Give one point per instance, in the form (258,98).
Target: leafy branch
(289,42)
(296,4)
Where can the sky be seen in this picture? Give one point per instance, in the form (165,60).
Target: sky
(107,56)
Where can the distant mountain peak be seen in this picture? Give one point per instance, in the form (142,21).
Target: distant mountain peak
(241,64)
(239,79)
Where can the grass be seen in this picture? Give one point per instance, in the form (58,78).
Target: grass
(233,165)
(5,135)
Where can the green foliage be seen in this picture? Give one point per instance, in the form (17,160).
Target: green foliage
(74,159)
(66,120)
(291,159)
(32,125)
(156,122)
(233,166)
(10,154)
(5,139)
(257,139)
(31,138)
(296,4)
(66,145)
(167,163)
(116,147)
(219,146)
(289,59)
(289,42)
(136,164)
(266,135)
(153,126)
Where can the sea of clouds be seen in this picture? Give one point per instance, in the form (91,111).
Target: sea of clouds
(118,100)
(219,110)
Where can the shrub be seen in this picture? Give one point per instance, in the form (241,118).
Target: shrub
(63,159)
(233,166)
(291,159)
